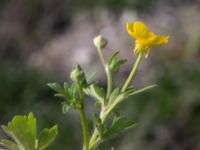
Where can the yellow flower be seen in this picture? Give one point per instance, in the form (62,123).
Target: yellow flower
(144,40)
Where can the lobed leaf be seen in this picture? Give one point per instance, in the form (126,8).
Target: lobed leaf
(23,131)
(46,137)
(120,124)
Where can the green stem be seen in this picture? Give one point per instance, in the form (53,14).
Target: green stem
(85,129)
(101,56)
(132,72)
(95,140)
(95,143)
(83,118)
(108,73)
(109,80)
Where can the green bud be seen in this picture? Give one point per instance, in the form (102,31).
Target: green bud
(100,42)
(78,75)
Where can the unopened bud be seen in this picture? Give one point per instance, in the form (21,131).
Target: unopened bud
(78,75)
(100,42)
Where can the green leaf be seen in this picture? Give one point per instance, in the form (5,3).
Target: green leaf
(113,95)
(65,107)
(131,87)
(117,64)
(66,87)
(60,95)
(61,91)
(47,136)
(96,92)
(9,144)
(23,131)
(112,58)
(96,119)
(73,90)
(66,90)
(56,87)
(90,77)
(128,92)
(120,124)
(131,92)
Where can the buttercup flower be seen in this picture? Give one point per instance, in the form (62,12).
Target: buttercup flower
(144,40)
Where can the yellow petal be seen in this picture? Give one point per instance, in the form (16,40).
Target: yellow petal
(141,31)
(162,40)
(157,39)
(129,27)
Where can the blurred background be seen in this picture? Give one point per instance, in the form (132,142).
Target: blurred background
(42,40)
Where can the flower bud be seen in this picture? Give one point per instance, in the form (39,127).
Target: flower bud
(78,75)
(100,42)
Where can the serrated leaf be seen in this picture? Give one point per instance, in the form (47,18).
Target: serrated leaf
(56,87)
(113,95)
(119,125)
(9,144)
(47,136)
